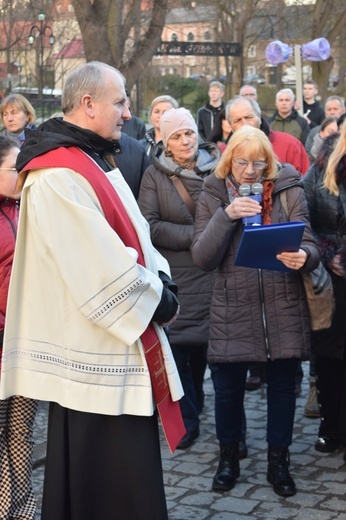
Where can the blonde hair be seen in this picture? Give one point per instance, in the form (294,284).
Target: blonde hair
(21,103)
(217,84)
(255,144)
(329,180)
(163,99)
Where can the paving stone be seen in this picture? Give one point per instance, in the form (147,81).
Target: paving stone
(188,474)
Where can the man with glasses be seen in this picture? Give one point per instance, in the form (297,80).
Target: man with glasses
(334,107)
(242,111)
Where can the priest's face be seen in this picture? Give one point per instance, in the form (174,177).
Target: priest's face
(110,110)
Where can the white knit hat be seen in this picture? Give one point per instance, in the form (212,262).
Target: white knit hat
(176,119)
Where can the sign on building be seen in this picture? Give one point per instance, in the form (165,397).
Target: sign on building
(198,49)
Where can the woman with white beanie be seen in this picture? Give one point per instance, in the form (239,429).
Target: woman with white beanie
(169,192)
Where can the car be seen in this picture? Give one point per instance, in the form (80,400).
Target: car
(221,79)
(288,80)
(334,80)
(254,78)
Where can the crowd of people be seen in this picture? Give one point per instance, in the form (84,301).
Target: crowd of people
(120,241)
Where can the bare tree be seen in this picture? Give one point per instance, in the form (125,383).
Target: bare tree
(254,21)
(120,33)
(329,18)
(246,22)
(11,39)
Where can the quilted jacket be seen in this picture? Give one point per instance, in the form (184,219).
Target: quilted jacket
(171,228)
(255,314)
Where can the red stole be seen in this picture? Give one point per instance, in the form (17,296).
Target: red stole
(117,217)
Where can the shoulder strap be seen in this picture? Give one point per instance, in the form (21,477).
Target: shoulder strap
(179,186)
(283,199)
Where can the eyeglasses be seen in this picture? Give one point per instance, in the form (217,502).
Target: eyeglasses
(258,165)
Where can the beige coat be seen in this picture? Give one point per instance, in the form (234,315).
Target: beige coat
(79,302)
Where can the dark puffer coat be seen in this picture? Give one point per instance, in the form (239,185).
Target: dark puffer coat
(328,221)
(172,228)
(254,313)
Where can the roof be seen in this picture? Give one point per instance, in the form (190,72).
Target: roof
(182,15)
(73,49)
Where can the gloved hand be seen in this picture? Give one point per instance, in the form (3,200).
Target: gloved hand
(168,307)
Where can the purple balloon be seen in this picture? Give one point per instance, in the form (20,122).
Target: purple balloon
(316,50)
(278,52)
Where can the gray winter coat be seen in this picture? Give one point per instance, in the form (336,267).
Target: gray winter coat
(172,228)
(255,314)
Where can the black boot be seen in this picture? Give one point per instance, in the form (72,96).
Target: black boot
(228,470)
(278,471)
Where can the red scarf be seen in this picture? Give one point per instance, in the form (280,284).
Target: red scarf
(267,201)
(117,217)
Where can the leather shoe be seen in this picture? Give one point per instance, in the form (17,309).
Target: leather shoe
(327,444)
(228,469)
(188,439)
(279,471)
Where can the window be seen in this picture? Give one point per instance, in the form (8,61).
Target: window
(207,36)
(190,37)
(174,37)
(251,53)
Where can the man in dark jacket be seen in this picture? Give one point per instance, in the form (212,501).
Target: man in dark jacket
(312,109)
(133,127)
(207,115)
(334,106)
(132,162)
(286,118)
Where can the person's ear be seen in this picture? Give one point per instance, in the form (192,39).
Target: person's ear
(87,103)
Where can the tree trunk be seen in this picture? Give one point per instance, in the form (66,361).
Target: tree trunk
(106,25)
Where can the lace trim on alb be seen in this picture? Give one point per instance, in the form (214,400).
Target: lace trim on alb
(115,300)
(78,366)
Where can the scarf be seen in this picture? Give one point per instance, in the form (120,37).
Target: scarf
(118,219)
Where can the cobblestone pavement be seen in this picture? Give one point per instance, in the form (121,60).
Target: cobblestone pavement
(320,478)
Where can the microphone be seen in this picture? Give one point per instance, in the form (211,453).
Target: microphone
(244,190)
(256,189)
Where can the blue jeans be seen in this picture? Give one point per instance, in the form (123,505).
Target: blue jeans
(229,385)
(189,403)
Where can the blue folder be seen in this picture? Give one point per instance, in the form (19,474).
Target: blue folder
(259,245)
